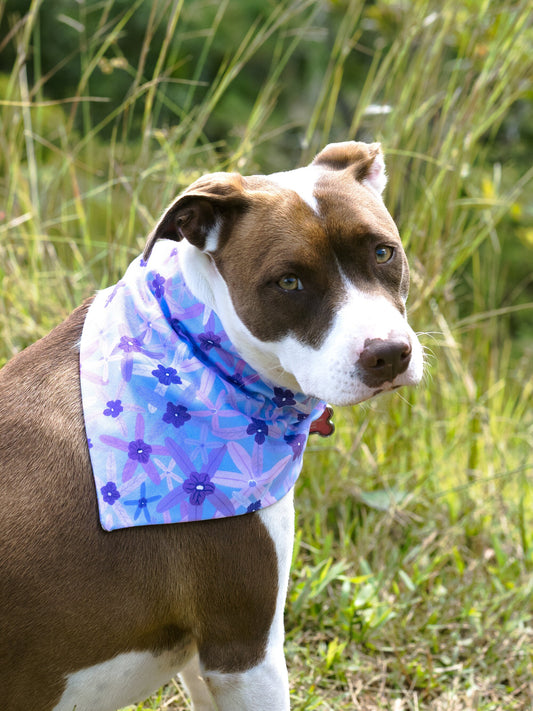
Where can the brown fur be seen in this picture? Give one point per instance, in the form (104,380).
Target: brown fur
(55,557)
(352,223)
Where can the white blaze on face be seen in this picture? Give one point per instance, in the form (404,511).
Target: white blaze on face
(331,372)
(302,181)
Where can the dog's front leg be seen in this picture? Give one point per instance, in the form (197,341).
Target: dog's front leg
(265,687)
(191,677)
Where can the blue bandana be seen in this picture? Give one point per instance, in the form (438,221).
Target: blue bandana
(179,427)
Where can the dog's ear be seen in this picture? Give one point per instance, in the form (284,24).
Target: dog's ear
(203,213)
(364,159)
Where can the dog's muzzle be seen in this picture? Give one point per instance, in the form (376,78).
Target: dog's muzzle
(381,361)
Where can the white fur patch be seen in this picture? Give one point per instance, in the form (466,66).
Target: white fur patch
(212,237)
(199,272)
(262,688)
(302,181)
(123,680)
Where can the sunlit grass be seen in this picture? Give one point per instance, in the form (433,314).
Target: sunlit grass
(412,576)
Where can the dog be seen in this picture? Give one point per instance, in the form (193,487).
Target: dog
(106,593)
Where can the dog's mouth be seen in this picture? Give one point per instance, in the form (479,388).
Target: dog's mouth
(385,389)
(356,391)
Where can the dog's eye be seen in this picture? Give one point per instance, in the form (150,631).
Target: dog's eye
(384,254)
(290,282)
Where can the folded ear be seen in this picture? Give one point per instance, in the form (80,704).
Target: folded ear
(364,159)
(203,213)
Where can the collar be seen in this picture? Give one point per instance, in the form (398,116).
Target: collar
(179,427)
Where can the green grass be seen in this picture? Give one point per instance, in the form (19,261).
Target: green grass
(412,578)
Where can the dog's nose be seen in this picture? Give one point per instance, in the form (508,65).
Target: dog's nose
(382,360)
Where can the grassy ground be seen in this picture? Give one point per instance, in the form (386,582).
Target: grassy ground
(412,579)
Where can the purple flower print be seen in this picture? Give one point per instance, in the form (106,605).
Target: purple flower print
(166,376)
(139,450)
(129,344)
(110,493)
(110,298)
(205,342)
(198,486)
(176,415)
(254,506)
(283,398)
(250,468)
(142,504)
(250,476)
(157,286)
(259,428)
(114,408)
(217,410)
(209,340)
(202,444)
(237,380)
(297,443)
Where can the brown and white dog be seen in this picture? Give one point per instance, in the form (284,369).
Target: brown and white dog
(308,276)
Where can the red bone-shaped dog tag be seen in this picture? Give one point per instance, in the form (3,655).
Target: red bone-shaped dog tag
(323,424)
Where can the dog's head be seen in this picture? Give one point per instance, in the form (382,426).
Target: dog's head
(306,272)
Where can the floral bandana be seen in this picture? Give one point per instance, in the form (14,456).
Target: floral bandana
(179,427)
